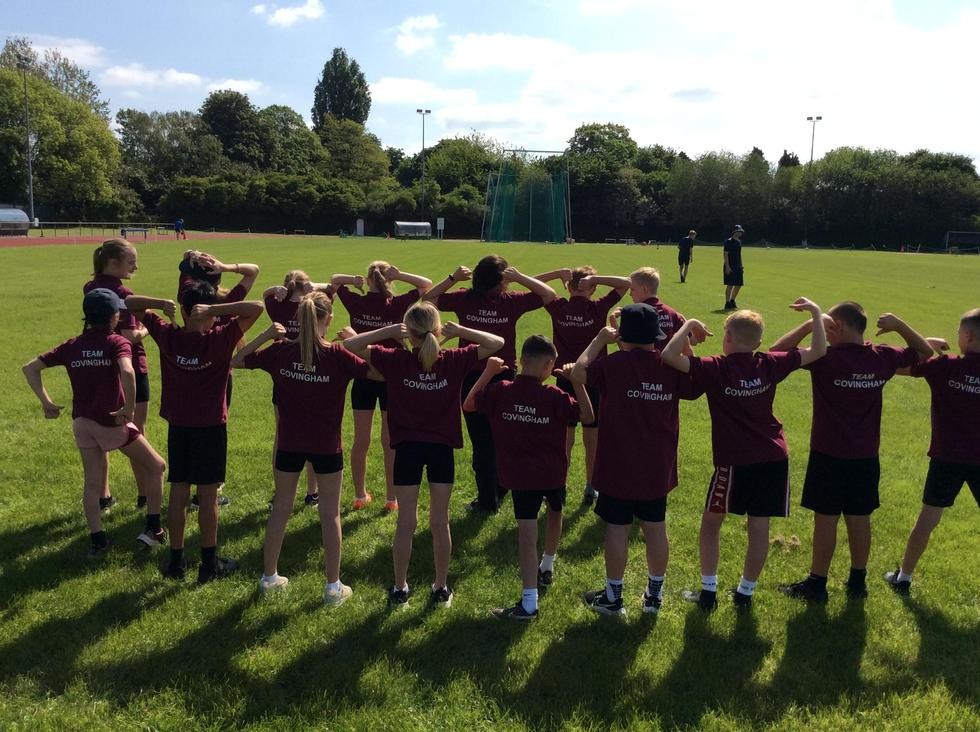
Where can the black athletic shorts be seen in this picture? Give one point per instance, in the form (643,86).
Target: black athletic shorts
(566,386)
(293,462)
(622,511)
(836,486)
(527,504)
(945,479)
(760,489)
(197,455)
(733,278)
(683,257)
(142,388)
(411,457)
(365,393)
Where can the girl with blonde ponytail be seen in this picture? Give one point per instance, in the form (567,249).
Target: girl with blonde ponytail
(310,378)
(377,308)
(424,426)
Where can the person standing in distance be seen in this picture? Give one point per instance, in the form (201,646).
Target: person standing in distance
(179,229)
(733,272)
(684,247)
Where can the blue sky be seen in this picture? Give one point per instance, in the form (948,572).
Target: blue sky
(696,75)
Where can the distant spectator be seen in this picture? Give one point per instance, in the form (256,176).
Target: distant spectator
(684,256)
(733,272)
(179,229)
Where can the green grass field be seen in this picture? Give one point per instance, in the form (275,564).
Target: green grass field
(112,645)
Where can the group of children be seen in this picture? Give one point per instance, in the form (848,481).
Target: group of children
(520,427)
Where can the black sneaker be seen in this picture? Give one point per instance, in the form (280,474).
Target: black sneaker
(477,508)
(176,571)
(98,551)
(140,502)
(856,590)
(221,569)
(152,538)
(398,598)
(741,601)
(106,503)
(734,305)
(516,613)
(704,599)
(806,590)
(651,603)
(589,495)
(544,578)
(597,601)
(902,587)
(312,499)
(442,597)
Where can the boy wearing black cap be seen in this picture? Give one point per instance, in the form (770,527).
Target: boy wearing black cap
(636,460)
(733,271)
(529,421)
(751,475)
(103,383)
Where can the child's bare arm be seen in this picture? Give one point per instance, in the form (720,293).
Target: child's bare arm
(603,338)
(420,283)
(494,366)
(675,354)
(248,311)
(32,372)
(488,343)
(585,410)
(359,343)
(274,331)
(539,288)
(461,274)
(889,323)
(818,339)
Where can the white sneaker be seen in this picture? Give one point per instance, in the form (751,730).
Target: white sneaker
(335,598)
(273,585)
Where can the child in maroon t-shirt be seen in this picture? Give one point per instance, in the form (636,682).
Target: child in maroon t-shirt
(424,387)
(529,420)
(954,457)
(636,460)
(379,307)
(103,384)
(195,361)
(748,445)
(575,321)
(843,471)
(644,286)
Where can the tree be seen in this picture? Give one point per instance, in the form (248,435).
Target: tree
(290,146)
(233,119)
(352,154)
(788,160)
(395,157)
(60,72)
(341,92)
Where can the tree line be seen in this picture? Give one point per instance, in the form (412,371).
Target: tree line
(233,165)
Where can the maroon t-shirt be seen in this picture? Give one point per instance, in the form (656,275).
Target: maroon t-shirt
(847,385)
(530,422)
(740,390)
(284,313)
(127,321)
(194,371)
(310,401)
(91,360)
(636,458)
(373,310)
(495,313)
(955,385)
(575,322)
(423,406)
(670,320)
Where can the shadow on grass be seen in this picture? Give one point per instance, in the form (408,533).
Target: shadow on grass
(947,652)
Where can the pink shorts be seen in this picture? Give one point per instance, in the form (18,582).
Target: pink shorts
(89,434)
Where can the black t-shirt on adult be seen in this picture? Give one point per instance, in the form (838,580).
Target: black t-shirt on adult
(684,246)
(733,247)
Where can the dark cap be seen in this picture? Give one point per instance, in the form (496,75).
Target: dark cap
(101,304)
(640,324)
(738,227)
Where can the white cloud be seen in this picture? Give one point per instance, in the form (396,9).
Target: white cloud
(610,7)
(285,17)
(415,92)
(484,51)
(137,75)
(415,33)
(258,9)
(82,52)
(245,86)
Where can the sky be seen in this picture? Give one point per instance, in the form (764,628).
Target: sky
(695,75)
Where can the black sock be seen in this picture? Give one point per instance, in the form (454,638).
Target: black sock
(857,577)
(176,556)
(153,522)
(99,538)
(817,580)
(209,556)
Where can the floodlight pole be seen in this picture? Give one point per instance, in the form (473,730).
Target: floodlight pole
(23,62)
(813,135)
(423,112)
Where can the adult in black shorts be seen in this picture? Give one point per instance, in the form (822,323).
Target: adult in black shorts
(733,271)
(684,254)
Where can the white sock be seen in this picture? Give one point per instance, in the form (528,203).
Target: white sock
(655,585)
(709,582)
(745,587)
(547,563)
(902,577)
(403,588)
(614,589)
(333,586)
(529,599)
(270,577)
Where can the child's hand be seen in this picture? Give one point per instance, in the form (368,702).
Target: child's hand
(565,371)
(392,273)
(169,308)
(586,283)
(697,331)
(564,274)
(462,273)
(200,311)
(346,332)
(450,329)
(276,331)
(803,303)
(608,335)
(306,287)
(510,274)
(614,318)
(51,410)
(938,344)
(495,365)
(122,415)
(888,323)
(279,292)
